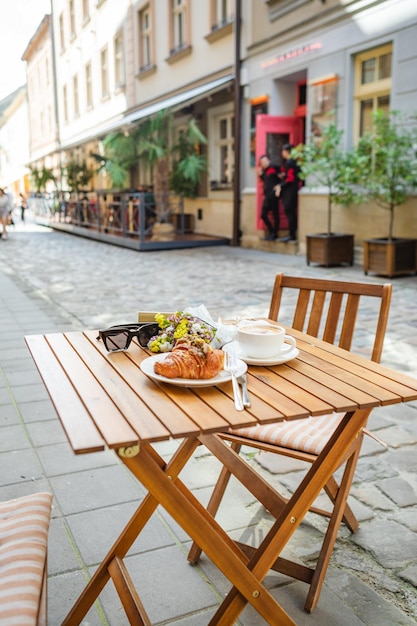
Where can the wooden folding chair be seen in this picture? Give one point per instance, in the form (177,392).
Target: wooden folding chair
(328,310)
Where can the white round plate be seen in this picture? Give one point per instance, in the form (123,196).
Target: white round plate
(222,377)
(250,360)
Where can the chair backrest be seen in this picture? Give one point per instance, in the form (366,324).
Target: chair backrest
(328,309)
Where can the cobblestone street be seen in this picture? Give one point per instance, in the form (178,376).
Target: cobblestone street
(52,281)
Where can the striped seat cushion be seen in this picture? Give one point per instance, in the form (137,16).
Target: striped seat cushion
(306,435)
(24,525)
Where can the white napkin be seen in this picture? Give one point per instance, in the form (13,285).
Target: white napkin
(224,332)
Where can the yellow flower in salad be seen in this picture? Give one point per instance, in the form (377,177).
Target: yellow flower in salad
(177,326)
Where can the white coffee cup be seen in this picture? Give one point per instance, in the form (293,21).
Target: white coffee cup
(261,340)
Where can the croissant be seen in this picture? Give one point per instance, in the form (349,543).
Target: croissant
(190,359)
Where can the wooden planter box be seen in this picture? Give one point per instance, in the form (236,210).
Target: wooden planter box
(390,257)
(333,249)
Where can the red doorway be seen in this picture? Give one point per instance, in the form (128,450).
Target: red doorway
(272,132)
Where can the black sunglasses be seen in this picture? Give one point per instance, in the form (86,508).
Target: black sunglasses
(117,338)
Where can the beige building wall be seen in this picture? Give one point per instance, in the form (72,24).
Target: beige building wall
(40,93)
(14,143)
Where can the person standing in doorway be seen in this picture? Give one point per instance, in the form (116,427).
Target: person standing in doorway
(288,191)
(269,174)
(5,210)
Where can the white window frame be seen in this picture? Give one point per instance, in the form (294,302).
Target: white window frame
(76,95)
(119,60)
(71,13)
(145,38)
(61,31)
(215,143)
(104,72)
(374,90)
(88,73)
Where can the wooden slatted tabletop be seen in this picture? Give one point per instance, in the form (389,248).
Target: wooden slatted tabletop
(105,399)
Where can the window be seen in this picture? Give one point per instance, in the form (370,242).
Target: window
(221,133)
(372,85)
(75,95)
(145,39)
(72,17)
(88,86)
(222,12)
(119,61)
(179,25)
(65,102)
(104,61)
(61,32)
(86,11)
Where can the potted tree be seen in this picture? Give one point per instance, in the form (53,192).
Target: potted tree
(325,162)
(390,148)
(177,165)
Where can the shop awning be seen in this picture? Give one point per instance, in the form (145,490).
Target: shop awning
(174,102)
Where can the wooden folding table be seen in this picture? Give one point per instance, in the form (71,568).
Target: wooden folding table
(105,400)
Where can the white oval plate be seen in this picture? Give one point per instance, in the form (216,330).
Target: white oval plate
(250,360)
(222,377)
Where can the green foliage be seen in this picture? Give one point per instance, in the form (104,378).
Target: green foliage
(120,155)
(330,165)
(41,177)
(176,165)
(78,175)
(188,164)
(390,152)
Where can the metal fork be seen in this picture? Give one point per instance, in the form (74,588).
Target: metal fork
(245,396)
(231,365)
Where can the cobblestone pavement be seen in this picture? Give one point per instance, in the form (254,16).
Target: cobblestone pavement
(67,283)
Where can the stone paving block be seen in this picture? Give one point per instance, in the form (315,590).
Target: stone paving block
(61,554)
(8,415)
(63,591)
(59,459)
(402,459)
(24,488)
(369,470)
(410,575)
(41,410)
(108,523)
(398,436)
(372,496)
(167,585)
(94,488)
(13,438)
(399,490)
(46,432)
(29,393)
(392,544)
(367,605)
(25,377)
(19,466)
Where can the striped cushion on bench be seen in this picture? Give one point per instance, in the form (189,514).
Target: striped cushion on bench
(24,525)
(307,435)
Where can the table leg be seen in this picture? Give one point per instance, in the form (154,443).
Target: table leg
(191,515)
(128,535)
(293,512)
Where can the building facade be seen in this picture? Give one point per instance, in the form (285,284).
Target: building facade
(311,63)
(303,64)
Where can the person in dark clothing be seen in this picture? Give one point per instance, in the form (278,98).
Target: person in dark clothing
(269,174)
(289,186)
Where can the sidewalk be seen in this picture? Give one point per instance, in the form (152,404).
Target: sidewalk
(52,282)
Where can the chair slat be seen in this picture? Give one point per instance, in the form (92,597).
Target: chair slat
(349,321)
(333,317)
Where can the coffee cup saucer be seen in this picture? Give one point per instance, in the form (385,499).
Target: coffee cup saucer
(250,360)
